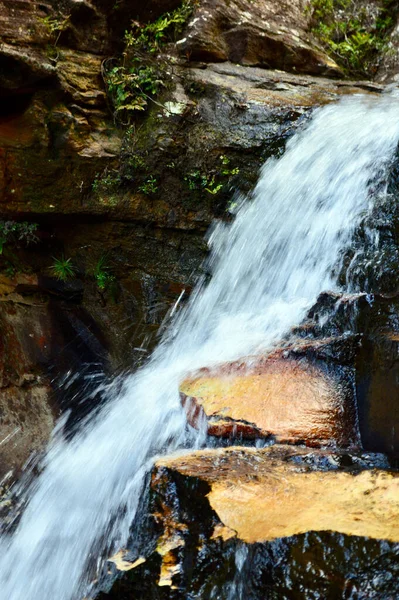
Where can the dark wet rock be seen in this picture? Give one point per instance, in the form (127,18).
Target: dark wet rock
(218,533)
(364,330)
(377,378)
(42,340)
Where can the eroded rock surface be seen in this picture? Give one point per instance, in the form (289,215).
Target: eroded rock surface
(266,33)
(292,400)
(262,495)
(272,523)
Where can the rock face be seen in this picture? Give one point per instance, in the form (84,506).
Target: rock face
(373,319)
(40,339)
(292,401)
(54,127)
(268,34)
(256,522)
(27,415)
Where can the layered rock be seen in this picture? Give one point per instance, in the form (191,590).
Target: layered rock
(57,133)
(261,495)
(256,521)
(267,34)
(41,338)
(293,401)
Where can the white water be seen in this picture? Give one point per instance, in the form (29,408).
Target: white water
(268,268)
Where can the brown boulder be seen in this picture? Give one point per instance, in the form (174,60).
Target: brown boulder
(294,401)
(264,33)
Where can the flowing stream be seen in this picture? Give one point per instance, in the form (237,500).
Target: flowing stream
(268,267)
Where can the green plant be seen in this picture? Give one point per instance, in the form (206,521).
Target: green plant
(149,186)
(225,170)
(213,187)
(196,181)
(212,183)
(102,274)
(15,232)
(138,78)
(136,161)
(55,25)
(105,182)
(351,34)
(62,268)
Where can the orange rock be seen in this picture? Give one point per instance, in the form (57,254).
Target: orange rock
(273,493)
(295,401)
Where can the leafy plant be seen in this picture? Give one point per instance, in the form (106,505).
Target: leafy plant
(55,25)
(102,274)
(213,187)
(106,181)
(212,183)
(225,170)
(351,34)
(149,186)
(63,269)
(196,181)
(142,72)
(17,231)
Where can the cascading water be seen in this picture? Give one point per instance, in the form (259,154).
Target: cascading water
(268,268)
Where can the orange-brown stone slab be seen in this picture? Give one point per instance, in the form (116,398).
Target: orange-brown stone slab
(261,496)
(293,400)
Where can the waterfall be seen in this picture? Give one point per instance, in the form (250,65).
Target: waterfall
(268,267)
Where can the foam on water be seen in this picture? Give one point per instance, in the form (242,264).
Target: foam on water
(268,268)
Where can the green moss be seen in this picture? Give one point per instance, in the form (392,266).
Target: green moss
(354,36)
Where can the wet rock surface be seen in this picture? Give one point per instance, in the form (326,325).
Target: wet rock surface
(364,332)
(289,400)
(42,340)
(219,534)
(266,523)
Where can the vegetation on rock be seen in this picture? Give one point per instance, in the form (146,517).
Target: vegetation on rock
(15,232)
(356,35)
(63,269)
(102,274)
(212,183)
(143,71)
